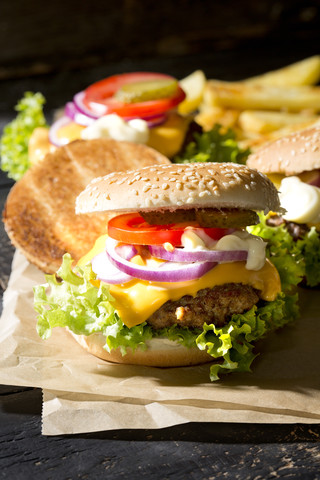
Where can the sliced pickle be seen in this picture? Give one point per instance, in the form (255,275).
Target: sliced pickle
(226,217)
(147,90)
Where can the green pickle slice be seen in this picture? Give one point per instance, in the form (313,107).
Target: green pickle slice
(147,90)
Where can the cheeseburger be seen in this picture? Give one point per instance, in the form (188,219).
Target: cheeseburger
(177,280)
(293,164)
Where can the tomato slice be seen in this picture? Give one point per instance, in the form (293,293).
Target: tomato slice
(102,93)
(131,228)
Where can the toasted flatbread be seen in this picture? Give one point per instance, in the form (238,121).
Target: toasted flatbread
(39,214)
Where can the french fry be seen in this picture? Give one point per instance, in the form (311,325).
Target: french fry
(208,117)
(260,121)
(265,107)
(244,96)
(193,85)
(282,132)
(255,140)
(304,72)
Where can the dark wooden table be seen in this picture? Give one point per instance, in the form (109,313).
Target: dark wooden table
(192,451)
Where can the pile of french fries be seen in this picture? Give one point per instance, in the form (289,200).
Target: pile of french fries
(265,107)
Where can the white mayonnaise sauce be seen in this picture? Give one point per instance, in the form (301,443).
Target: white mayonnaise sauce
(239,240)
(113,126)
(301,200)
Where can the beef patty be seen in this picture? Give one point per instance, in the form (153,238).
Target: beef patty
(210,305)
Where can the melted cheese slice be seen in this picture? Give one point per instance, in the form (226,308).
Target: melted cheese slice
(137,300)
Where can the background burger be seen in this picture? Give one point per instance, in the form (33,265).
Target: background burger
(140,107)
(293,164)
(177,280)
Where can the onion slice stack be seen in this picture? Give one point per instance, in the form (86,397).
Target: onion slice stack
(113,265)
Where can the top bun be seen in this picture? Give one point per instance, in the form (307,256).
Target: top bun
(289,155)
(168,187)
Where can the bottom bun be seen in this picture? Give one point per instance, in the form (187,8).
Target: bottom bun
(160,352)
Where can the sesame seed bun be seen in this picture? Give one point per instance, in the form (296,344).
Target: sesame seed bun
(160,352)
(169,187)
(289,155)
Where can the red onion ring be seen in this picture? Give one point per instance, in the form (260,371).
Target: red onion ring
(76,116)
(107,272)
(166,272)
(126,251)
(53,138)
(182,255)
(315,182)
(152,120)
(78,101)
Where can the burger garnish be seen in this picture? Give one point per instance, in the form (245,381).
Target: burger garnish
(180,293)
(293,163)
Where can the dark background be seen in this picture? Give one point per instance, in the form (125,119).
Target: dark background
(60,47)
(82,41)
(42,37)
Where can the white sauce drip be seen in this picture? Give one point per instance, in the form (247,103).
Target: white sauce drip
(239,240)
(301,200)
(113,126)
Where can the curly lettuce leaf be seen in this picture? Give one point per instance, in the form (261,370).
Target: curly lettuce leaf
(16,135)
(83,305)
(309,246)
(296,260)
(71,299)
(286,254)
(216,145)
(233,344)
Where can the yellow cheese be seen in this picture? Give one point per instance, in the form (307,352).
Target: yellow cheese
(135,301)
(39,145)
(68,133)
(276,178)
(98,247)
(168,137)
